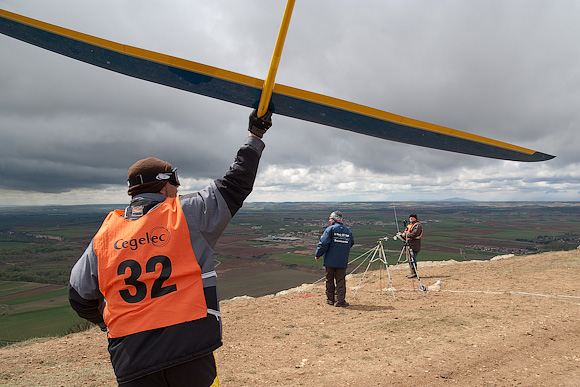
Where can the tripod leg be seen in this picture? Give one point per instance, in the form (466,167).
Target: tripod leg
(413,262)
(362,278)
(410,260)
(421,286)
(384,260)
(401,255)
(375,250)
(414,271)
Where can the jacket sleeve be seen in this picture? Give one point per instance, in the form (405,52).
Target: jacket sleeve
(324,242)
(83,289)
(209,211)
(238,181)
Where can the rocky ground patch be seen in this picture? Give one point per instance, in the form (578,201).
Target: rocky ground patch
(505,322)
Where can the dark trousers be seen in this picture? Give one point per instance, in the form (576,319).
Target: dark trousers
(335,284)
(200,372)
(413,261)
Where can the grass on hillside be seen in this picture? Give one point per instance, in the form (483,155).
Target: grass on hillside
(24,315)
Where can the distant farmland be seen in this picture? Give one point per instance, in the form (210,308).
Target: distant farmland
(35,310)
(267,247)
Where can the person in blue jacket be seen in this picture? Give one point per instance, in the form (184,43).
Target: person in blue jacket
(335,245)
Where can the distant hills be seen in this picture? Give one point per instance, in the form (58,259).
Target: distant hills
(457,200)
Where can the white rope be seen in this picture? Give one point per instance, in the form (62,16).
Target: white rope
(498,292)
(512,292)
(366,254)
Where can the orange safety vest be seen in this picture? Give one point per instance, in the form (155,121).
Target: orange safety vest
(410,228)
(148,273)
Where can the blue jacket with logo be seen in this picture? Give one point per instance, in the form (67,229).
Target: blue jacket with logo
(335,245)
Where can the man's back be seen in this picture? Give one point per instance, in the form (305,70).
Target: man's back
(335,244)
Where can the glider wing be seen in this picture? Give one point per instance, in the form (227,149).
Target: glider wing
(244,90)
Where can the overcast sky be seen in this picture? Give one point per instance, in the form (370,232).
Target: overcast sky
(507,70)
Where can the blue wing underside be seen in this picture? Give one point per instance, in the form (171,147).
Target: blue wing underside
(232,91)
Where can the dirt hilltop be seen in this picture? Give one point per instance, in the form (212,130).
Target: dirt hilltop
(505,322)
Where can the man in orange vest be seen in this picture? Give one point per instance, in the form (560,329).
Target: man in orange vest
(148,279)
(413,234)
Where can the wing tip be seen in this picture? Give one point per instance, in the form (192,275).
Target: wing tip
(539,156)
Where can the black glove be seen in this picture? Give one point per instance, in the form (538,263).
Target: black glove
(259,125)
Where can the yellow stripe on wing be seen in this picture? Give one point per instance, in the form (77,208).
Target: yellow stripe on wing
(136,52)
(62,31)
(243,80)
(386,116)
(195,67)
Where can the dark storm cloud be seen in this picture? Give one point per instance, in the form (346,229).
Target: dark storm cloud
(505,70)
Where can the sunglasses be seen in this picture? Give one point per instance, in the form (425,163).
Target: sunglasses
(170,177)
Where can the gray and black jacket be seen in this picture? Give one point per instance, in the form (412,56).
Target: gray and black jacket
(208,213)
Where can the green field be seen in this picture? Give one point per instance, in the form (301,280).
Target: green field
(39,246)
(35,310)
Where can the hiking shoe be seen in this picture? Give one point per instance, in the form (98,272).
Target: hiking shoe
(330,302)
(412,276)
(341,304)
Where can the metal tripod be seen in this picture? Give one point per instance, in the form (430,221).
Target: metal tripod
(406,252)
(377,253)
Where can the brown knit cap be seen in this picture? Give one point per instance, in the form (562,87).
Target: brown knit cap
(148,166)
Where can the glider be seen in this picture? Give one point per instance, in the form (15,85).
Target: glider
(256,93)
